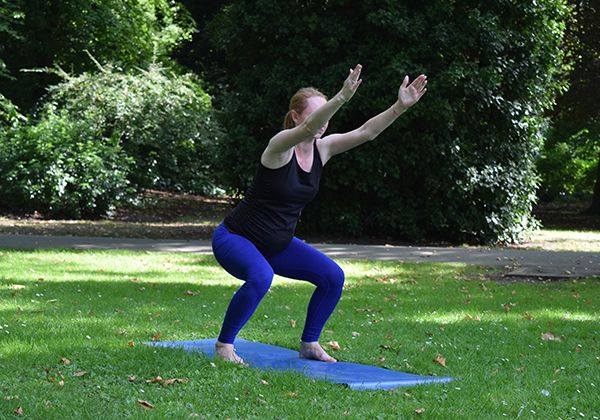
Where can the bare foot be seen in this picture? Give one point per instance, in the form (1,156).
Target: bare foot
(227,352)
(313,350)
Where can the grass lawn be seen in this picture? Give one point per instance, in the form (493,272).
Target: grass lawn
(564,240)
(73,322)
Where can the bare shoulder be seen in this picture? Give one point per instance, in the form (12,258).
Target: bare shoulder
(324,149)
(275,160)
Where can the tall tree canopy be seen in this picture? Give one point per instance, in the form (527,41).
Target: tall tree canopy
(53,32)
(460,164)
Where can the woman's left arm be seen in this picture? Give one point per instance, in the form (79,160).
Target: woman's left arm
(408,95)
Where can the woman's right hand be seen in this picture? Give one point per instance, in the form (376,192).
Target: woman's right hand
(351,83)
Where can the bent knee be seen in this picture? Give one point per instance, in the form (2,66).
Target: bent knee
(336,277)
(260,280)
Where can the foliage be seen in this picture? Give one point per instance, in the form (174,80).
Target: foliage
(62,167)
(10,18)
(163,120)
(9,114)
(569,163)
(127,32)
(459,165)
(568,168)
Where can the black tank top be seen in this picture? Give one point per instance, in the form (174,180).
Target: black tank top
(270,210)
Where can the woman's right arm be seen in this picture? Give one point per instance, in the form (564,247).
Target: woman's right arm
(285,140)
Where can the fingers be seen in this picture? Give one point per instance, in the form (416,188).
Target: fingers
(355,73)
(404,82)
(419,83)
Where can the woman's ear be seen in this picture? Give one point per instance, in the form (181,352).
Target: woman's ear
(295,117)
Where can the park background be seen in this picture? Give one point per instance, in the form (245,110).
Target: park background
(146,118)
(106,104)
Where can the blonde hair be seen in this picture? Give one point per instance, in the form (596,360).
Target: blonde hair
(298,103)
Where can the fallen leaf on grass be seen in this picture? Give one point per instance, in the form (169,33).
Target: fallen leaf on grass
(521,369)
(16,287)
(387,279)
(156,336)
(120,332)
(381,360)
(131,344)
(262,381)
(551,337)
(508,306)
(145,404)
(131,378)
(166,382)
(334,345)
(598,359)
(175,381)
(52,377)
(355,334)
(440,360)
(420,410)
(11,397)
(293,394)
(527,316)
(293,323)
(19,411)
(79,374)
(191,293)
(65,361)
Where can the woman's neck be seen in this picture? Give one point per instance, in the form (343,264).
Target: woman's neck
(305,148)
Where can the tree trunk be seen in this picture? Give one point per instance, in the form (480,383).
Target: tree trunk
(595,207)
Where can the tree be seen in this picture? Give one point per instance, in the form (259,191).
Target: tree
(460,165)
(127,32)
(579,106)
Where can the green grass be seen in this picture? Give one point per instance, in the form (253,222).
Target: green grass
(88,307)
(564,240)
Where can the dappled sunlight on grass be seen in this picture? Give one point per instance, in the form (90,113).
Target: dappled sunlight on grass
(97,308)
(470,316)
(564,240)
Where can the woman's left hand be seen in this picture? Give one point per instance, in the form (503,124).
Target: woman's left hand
(408,95)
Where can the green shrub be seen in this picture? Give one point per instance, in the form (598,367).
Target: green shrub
(62,168)
(164,122)
(460,164)
(46,33)
(568,167)
(9,114)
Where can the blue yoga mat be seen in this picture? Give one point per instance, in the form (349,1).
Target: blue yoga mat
(268,357)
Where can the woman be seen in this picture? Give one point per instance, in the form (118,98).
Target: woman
(256,240)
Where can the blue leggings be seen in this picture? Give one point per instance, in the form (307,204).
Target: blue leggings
(299,261)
